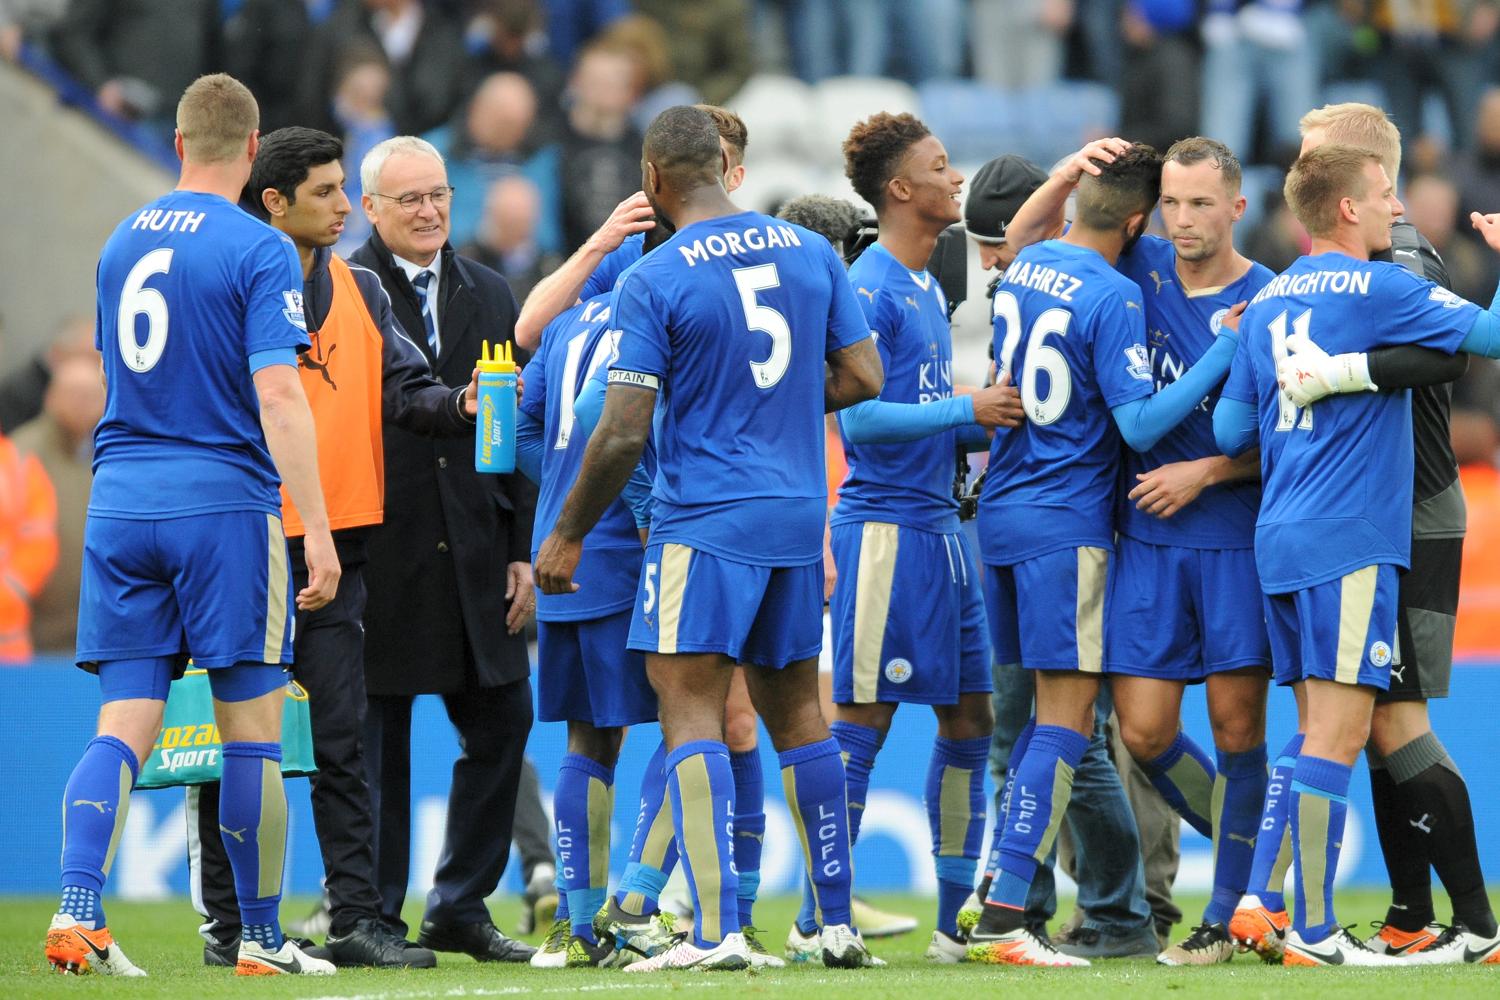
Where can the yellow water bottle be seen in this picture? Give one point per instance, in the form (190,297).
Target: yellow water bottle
(495,429)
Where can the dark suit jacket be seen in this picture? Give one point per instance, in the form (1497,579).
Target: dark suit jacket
(437,568)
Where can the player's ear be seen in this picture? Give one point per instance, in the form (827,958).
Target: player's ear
(368,204)
(897,188)
(252,146)
(1237,208)
(177,144)
(651,180)
(273,202)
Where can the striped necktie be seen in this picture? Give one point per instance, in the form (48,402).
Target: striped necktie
(420,283)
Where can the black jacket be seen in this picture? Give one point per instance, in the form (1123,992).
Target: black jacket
(437,568)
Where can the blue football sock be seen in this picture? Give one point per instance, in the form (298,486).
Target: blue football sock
(1320,802)
(955,815)
(1239,794)
(562,893)
(859,746)
(1038,800)
(1273,839)
(653,848)
(95,802)
(702,788)
(252,821)
(1185,777)
(813,778)
(1017,753)
(749,827)
(583,803)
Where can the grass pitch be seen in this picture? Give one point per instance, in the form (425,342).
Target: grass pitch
(160,938)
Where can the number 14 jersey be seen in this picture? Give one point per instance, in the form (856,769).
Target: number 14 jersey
(730,320)
(1071,331)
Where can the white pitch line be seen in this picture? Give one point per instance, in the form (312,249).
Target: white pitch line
(479,991)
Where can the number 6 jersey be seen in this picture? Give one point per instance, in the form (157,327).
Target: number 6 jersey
(730,321)
(189,288)
(1070,330)
(1337,475)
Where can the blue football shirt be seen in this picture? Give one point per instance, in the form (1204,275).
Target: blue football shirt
(614,264)
(731,320)
(1071,331)
(573,347)
(1337,475)
(909,483)
(1180,327)
(189,288)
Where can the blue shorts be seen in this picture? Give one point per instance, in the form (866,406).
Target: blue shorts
(694,602)
(216,587)
(908,617)
(1343,630)
(1180,614)
(586,674)
(1047,613)
(151,677)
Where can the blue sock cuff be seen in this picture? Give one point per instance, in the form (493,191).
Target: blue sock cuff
(121,748)
(1245,764)
(1290,752)
(643,879)
(812,751)
(269,751)
(851,736)
(1064,742)
(1171,755)
(957,870)
(1320,776)
(692,749)
(588,766)
(964,753)
(749,885)
(745,764)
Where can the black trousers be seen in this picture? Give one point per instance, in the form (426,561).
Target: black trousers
(492,725)
(329,652)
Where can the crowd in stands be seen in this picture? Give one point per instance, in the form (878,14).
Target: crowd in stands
(539,105)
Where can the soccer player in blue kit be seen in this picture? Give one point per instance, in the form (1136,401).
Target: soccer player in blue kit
(738,321)
(1074,328)
(199,322)
(908,621)
(1183,602)
(1335,522)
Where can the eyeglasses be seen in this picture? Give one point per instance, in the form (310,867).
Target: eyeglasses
(412,201)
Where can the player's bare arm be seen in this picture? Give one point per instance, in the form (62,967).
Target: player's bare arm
(560,289)
(287,422)
(854,375)
(1169,488)
(614,448)
(1041,216)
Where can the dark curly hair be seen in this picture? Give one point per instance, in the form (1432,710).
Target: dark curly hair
(874,150)
(1128,186)
(834,219)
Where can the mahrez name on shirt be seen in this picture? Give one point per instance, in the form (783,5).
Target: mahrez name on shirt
(749,238)
(1040,278)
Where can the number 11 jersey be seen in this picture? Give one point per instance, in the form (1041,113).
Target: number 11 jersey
(1071,331)
(730,321)
(189,288)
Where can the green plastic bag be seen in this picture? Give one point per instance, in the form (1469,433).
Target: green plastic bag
(188,752)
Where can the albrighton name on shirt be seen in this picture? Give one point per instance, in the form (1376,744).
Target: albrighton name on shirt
(1316,283)
(750,238)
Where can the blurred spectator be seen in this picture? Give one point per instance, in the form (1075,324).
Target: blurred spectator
(1435,45)
(601,152)
(928,35)
(1432,206)
(28,545)
(813,31)
(1278,238)
(265,44)
(511,32)
(571,23)
(1019,43)
(1476,440)
(22,19)
(22,390)
(138,56)
(490,141)
(1159,103)
(1477,170)
(423,46)
(1098,25)
(507,241)
(359,108)
(709,42)
(645,41)
(62,439)
(1258,59)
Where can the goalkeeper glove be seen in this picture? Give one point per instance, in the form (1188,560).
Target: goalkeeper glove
(1308,373)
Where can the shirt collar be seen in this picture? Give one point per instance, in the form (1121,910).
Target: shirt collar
(412,270)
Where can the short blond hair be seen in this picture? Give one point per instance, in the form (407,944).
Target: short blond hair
(1321,179)
(216,116)
(1363,126)
(732,130)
